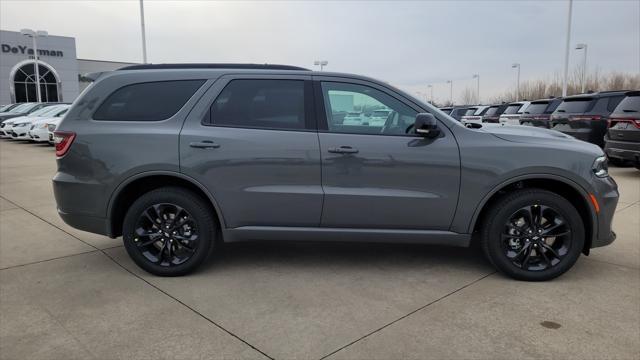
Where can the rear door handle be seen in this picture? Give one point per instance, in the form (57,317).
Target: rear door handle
(206,144)
(343,150)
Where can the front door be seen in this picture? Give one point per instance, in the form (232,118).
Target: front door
(374,173)
(252,141)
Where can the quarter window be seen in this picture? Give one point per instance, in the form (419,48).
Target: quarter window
(359,109)
(151,101)
(263,103)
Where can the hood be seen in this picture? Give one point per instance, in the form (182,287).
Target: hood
(14,119)
(539,136)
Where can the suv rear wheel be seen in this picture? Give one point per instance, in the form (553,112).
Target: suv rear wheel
(169,231)
(533,235)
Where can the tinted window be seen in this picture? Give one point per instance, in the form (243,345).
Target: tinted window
(553,106)
(492,111)
(613,102)
(512,109)
(151,101)
(270,104)
(383,114)
(471,111)
(629,104)
(574,106)
(536,108)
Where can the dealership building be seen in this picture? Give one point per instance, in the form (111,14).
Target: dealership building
(60,69)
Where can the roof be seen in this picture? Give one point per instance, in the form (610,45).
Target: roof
(213,66)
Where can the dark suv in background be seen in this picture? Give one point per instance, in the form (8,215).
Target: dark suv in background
(585,116)
(622,142)
(538,113)
(178,159)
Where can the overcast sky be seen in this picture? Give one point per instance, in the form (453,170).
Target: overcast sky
(408,44)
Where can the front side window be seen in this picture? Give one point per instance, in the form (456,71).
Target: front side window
(261,103)
(378,112)
(151,101)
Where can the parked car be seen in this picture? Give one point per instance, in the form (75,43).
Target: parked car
(39,129)
(378,117)
(474,114)
(17,128)
(622,141)
(538,113)
(458,112)
(52,126)
(446,110)
(492,115)
(512,113)
(353,118)
(8,107)
(585,116)
(23,109)
(228,153)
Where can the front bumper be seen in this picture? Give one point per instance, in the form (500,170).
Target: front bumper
(607,195)
(39,134)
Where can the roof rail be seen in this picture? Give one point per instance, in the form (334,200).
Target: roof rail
(213,66)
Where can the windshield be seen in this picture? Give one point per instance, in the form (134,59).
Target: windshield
(512,109)
(44,111)
(23,107)
(536,108)
(574,106)
(629,104)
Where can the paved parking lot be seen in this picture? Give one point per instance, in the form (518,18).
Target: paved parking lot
(67,294)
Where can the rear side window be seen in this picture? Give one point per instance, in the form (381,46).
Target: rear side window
(574,105)
(512,109)
(150,101)
(629,104)
(553,106)
(492,110)
(613,102)
(536,108)
(267,104)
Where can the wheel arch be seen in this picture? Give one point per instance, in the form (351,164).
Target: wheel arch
(570,190)
(137,185)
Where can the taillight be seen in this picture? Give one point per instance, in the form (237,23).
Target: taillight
(635,122)
(584,117)
(63,140)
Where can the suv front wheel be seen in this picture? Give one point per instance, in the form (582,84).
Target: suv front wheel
(533,235)
(169,231)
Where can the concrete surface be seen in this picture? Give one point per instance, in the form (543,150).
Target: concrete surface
(67,294)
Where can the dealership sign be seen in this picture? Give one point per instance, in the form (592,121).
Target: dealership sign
(21,49)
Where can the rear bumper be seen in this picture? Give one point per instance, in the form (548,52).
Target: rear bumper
(86,223)
(625,150)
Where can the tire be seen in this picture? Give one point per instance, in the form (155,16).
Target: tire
(169,251)
(501,236)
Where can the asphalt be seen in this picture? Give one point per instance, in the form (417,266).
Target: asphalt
(68,294)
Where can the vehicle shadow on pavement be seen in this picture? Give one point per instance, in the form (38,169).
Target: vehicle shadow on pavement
(338,254)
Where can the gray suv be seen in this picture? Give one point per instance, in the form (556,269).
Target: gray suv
(178,159)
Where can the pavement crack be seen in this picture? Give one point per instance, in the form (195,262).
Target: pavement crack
(408,314)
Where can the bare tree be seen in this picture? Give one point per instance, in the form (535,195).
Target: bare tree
(468,96)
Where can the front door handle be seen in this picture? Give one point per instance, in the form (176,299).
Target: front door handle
(343,150)
(206,144)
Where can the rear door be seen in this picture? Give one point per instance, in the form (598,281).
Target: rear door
(625,121)
(378,176)
(252,141)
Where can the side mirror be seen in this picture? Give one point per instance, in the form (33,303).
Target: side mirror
(426,125)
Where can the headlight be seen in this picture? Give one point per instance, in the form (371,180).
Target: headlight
(600,167)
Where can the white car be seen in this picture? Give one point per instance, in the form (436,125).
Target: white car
(353,118)
(39,131)
(378,117)
(511,115)
(474,114)
(18,128)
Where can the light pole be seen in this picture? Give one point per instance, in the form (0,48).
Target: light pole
(430,87)
(566,53)
(516,65)
(450,91)
(144,37)
(477,76)
(34,36)
(321,63)
(584,65)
